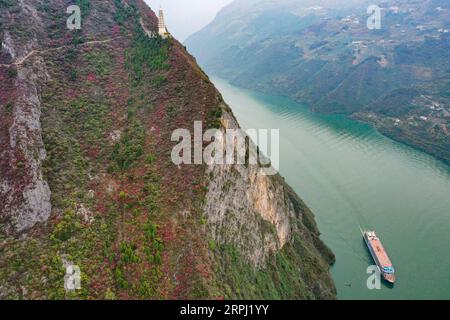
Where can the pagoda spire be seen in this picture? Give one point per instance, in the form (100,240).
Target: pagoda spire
(162,29)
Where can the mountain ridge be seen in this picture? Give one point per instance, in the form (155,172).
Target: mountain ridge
(324,56)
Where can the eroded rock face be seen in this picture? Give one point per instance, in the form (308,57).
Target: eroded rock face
(248,209)
(258,220)
(32,204)
(24,194)
(8,46)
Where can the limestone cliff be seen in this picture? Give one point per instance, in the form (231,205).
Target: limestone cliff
(258,218)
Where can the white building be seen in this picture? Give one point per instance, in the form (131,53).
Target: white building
(162,29)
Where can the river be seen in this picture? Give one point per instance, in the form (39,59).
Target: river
(350,176)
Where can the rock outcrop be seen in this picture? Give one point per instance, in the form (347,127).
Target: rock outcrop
(24,194)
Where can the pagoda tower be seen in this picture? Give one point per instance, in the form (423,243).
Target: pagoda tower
(162,30)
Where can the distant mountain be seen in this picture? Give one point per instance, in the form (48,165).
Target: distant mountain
(323,54)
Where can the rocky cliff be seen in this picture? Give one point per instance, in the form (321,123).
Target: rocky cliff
(86,177)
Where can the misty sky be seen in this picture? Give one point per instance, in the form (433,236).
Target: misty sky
(184,17)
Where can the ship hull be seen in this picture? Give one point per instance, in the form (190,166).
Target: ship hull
(380,258)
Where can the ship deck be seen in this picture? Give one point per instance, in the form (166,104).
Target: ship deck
(379,251)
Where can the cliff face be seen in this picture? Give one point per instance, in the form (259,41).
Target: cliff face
(24,194)
(86,118)
(267,242)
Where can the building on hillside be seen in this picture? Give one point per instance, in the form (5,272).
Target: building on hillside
(162,29)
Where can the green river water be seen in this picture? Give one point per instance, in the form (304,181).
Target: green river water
(352,176)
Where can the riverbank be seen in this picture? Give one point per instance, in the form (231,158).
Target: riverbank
(421,133)
(414,134)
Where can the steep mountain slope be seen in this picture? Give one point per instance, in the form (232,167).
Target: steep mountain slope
(324,55)
(86,176)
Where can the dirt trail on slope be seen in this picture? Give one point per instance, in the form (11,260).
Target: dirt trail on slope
(31,53)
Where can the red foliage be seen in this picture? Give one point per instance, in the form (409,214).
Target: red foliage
(167,233)
(116,29)
(91,77)
(72,94)
(93,152)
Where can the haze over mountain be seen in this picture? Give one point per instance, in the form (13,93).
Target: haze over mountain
(183,18)
(322,54)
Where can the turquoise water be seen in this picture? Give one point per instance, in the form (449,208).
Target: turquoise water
(352,176)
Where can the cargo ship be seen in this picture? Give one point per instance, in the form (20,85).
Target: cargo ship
(380,256)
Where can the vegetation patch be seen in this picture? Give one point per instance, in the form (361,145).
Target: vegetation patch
(67,227)
(147,54)
(85,6)
(100,62)
(281,278)
(123,14)
(8,3)
(129,149)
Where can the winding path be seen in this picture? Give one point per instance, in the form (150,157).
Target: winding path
(31,53)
